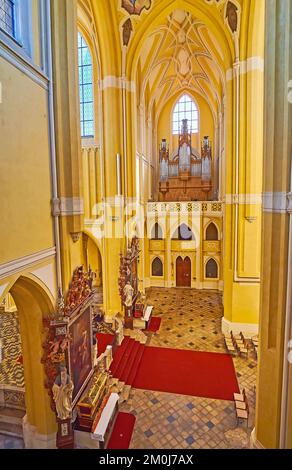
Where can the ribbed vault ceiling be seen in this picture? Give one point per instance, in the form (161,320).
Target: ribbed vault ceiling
(181,54)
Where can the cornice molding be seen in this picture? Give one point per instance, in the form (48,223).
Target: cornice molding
(19,264)
(243,199)
(67,206)
(10,54)
(277,202)
(289,199)
(111,81)
(245,66)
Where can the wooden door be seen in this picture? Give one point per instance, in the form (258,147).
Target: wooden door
(183,272)
(187,271)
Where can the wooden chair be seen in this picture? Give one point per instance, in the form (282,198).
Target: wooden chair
(239,336)
(241,344)
(228,335)
(240,405)
(240,396)
(242,414)
(230,346)
(243,351)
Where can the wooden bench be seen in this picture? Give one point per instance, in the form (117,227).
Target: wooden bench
(105,424)
(143,322)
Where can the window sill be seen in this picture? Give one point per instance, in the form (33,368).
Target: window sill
(14,52)
(10,38)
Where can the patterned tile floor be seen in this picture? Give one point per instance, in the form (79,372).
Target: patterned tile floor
(11,371)
(190,320)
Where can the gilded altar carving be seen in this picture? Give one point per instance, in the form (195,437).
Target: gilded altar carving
(127,276)
(64,346)
(62,394)
(79,289)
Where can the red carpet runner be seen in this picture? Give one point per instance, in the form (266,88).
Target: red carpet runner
(154,324)
(127,359)
(122,432)
(201,374)
(103,340)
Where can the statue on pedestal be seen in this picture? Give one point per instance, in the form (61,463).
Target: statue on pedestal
(128,292)
(62,394)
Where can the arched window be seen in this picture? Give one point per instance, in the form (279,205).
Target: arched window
(85,88)
(183,232)
(157,267)
(156,233)
(212,269)
(185,108)
(16,22)
(211,232)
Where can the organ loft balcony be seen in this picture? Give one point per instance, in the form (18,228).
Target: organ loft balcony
(187,174)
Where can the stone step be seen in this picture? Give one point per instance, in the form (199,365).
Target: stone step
(11,416)
(124,396)
(130,363)
(132,375)
(118,356)
(122,369)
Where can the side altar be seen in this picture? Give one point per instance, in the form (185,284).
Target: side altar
(137,312)
(77,383)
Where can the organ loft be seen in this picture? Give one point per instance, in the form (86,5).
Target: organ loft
(187,174)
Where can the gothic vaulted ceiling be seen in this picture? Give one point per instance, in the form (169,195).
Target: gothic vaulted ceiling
(167,46)
(180,54)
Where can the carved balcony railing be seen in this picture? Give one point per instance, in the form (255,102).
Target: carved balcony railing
(214,208)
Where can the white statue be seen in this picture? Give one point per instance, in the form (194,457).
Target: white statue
(128,292)
(62,394)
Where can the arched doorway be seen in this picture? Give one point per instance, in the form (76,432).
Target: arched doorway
(93,260)
(33,303)
(183,272)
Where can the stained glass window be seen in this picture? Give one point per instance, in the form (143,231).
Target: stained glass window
(85,88)
(157,267)
(212,269)
(7,16)
(185,108)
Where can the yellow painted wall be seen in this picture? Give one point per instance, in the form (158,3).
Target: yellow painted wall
(25,189)
(168,250)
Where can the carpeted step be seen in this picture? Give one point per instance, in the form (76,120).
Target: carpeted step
(125,359)
(130,362)
(118,355)
(132,375)
(103,340)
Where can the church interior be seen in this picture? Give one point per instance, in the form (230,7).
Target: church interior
(146,224)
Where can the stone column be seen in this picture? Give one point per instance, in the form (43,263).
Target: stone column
(70,205)
(273,427)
